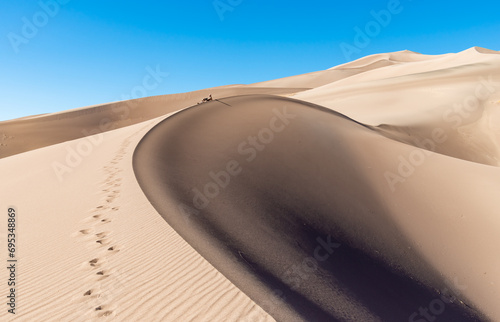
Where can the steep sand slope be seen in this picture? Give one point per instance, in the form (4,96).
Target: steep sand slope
(92,248)
(397,93)
(449,104)
(287,198)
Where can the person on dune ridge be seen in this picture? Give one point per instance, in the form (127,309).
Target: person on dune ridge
(207,99)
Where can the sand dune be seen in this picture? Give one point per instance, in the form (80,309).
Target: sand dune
(92,247)
(369,196)
(345,71)
(385,59)
(36,132)
(257,214)
(453,96)
(311,80)
(398,94)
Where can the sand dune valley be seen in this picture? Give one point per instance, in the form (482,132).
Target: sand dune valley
(365,192)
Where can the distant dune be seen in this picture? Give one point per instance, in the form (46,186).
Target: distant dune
(365,192)
(48,129)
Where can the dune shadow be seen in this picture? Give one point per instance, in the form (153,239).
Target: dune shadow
(266,189)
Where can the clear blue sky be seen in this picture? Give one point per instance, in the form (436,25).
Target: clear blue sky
(89,52)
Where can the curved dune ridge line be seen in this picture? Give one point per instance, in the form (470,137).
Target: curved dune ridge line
(334,217)
(368,62)
(275,194)
(403,94)
(37,132)
(455,95)
(92,248)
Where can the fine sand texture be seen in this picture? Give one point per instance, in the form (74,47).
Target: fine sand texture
(92,248)
(364,192)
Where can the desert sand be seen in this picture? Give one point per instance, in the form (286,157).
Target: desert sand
(365,192)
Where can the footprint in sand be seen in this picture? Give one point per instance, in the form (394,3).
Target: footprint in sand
(96,216)
(94,262)
(103,234)
(113,249)
(104,311)
(102,276)
(77,234)
(110,190)
(103,241)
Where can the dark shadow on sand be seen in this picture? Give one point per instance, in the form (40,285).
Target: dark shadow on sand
(300,190)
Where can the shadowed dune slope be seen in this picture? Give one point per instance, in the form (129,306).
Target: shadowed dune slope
(270,191)
(26,134)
